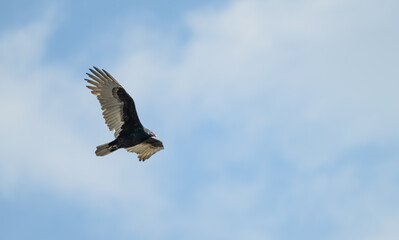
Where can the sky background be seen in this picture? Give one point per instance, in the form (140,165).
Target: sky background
(280,119)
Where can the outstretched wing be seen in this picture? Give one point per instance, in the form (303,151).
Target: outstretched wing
(147,148)
(118,107)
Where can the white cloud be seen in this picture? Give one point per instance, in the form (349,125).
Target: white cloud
(298,67)
(302,78)
(40,147)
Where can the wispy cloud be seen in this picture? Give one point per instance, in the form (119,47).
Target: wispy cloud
(274,115)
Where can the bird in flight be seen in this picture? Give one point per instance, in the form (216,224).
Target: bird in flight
(120,114)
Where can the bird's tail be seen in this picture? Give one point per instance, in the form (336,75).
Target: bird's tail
(105,149)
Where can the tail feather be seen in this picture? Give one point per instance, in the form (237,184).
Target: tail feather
(105,149)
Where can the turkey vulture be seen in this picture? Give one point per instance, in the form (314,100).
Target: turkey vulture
(120,114)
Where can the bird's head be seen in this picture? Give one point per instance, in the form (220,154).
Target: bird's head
(149,132)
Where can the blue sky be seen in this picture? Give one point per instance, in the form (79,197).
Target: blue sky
(280,120)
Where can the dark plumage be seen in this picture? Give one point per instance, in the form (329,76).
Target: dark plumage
(120,114)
